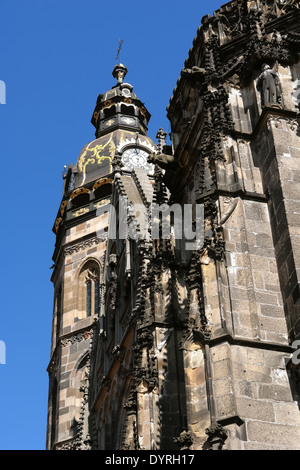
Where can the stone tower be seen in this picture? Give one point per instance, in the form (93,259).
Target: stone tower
(81,257)
(159,343)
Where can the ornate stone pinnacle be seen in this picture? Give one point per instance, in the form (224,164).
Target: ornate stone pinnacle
(161,136)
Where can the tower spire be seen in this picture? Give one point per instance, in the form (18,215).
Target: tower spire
(120,70)
(119,50)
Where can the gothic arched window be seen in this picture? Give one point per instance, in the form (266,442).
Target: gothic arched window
(92,292)
(88,292)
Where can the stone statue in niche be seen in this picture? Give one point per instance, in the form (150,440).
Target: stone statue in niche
(269,86)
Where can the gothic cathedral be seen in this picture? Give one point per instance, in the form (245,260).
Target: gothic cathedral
(176,319)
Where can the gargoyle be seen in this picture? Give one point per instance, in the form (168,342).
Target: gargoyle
(166,162)
(194,72)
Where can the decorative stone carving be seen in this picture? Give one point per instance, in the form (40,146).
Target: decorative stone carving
(216,245)
(217,436)
(52,367)
(194,73)
(82,336)
(118,352)
(193,333)
(91,275)
(283,122)
(184,441)
(163,160)
(105,382)
(131,403)
(83,439)
(69,445)
(161,136)
(83,245)
(145,339)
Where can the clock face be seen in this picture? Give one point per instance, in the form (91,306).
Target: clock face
(137,158)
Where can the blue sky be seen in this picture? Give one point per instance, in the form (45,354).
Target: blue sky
(56,56)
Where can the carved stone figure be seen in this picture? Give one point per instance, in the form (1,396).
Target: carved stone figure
(184,441)
(217,436)
(196,72)
(162,160)
(269,86)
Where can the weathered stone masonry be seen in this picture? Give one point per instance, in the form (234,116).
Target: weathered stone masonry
(155,346)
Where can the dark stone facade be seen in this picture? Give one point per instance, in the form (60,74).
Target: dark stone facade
(186,348)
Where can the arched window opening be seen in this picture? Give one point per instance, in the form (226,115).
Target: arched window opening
(88,290)
(80,200)
(129,110)
(109,112)
(92,292)
(103,191)
(97,304)
(88,298)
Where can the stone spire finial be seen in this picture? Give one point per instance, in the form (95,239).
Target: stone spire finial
(161,136)
(119,72)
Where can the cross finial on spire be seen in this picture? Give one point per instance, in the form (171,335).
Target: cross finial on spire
(119,50)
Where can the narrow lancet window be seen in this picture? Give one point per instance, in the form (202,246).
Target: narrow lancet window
(88,299)
(96,297)
(91,296)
